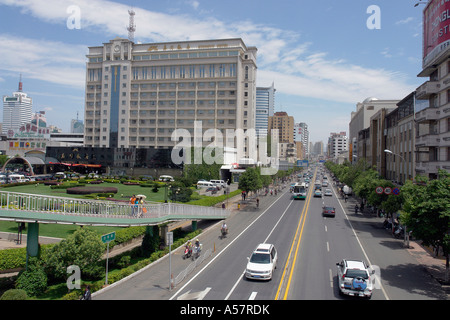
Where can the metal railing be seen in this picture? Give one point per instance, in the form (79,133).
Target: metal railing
(104,208)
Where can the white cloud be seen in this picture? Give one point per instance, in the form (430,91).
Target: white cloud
(293,67)
(49,61)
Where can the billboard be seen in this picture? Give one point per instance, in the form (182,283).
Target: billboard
(436,30)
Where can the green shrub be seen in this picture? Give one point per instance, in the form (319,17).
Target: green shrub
(14,294)
(33,281)
(74,295)
(13,258)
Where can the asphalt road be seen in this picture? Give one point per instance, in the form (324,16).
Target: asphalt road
(308,246)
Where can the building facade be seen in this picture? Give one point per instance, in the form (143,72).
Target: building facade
(137,95)
(301,134)
(432,132)
(399,138)
(360,120)
(265,106)
(337,143)
(17,110)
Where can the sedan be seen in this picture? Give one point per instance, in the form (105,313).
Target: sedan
(318,193)
(328,211)
(328,192)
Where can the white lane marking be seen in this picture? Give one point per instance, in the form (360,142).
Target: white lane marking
(253,295)
(328,246)
(231,242)
(239,279)
(331,278)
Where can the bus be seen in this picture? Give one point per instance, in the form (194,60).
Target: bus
(299,191)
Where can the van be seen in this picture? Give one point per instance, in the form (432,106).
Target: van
(165,178)
(204,184)
(14,178)
(218,183)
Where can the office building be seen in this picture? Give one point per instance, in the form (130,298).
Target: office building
(265,105)
(16,110)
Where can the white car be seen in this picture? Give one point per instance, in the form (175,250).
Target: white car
(262,262)
(328,193)
(354,278)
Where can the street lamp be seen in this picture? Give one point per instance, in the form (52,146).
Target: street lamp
(420,3)
(395,154)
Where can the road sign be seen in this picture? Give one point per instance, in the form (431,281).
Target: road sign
(396,191)
(387,190)
(379,190)
(106,238)
(169,238)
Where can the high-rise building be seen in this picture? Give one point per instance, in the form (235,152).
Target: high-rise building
(265,105)
(16,110)
(337,143)
(138,94)
(285,125)
(301,134)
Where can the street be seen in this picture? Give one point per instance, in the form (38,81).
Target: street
(309,246)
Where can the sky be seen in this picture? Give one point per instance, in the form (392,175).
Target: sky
(323,56)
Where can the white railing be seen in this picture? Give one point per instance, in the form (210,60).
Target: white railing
(105,208)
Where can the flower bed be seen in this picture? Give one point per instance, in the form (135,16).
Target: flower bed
(89,190)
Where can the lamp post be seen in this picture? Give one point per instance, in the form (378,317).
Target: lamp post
(406,240)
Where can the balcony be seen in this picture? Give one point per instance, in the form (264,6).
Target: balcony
(427,89)
(428,114)
(428,140)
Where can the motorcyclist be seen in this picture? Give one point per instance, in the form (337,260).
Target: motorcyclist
(224,228)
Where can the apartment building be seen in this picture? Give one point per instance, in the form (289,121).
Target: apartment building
(137,95)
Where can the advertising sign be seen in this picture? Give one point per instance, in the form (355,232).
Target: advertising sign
(436,30)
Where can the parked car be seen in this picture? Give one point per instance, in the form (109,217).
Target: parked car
(262,262)
(354,278)
(328,211)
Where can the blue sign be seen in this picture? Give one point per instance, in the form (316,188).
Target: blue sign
(396,191)
(302,163)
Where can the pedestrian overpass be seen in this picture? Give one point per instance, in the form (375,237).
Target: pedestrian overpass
(34,209)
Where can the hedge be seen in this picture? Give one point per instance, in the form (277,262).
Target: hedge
(16,257)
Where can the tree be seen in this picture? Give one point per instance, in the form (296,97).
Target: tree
(427,212)
(250,180)
(83,248)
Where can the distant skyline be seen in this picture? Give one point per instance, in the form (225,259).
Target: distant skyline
(322,56)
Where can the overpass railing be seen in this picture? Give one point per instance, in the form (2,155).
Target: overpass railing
(105,208)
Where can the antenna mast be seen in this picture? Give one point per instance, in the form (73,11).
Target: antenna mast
(132,27)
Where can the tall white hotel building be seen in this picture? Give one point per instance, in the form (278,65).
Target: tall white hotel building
(17,110)
(138,94)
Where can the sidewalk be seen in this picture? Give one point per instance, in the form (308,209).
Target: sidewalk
(435,267)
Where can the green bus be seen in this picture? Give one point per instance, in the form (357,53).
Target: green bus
(299,191)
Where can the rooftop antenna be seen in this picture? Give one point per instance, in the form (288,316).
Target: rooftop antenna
(132,27)
(20,83)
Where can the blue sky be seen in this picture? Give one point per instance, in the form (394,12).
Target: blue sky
(320,54)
